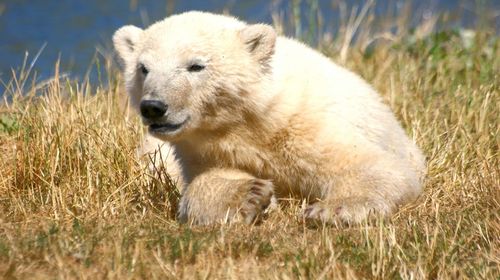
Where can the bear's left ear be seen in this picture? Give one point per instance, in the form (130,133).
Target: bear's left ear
(259,40)
(125,41)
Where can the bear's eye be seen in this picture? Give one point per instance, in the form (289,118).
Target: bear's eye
(143,69)
(195,67)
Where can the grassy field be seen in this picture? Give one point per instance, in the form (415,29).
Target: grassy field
(75,202)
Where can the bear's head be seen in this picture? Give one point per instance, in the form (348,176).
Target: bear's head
(196,72)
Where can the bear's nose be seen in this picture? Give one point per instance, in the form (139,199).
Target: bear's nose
(153,109)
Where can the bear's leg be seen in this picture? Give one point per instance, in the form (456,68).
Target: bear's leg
(349,210)
(159,155)
(222,195)
(364,192)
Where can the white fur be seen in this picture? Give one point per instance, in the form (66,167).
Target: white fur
(269,109)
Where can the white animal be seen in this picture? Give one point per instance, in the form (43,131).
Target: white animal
(251,114)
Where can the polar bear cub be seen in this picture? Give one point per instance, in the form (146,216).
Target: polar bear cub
(252,115)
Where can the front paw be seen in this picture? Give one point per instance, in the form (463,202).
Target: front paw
(259,197)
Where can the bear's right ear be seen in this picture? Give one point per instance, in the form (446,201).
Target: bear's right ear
(125,41)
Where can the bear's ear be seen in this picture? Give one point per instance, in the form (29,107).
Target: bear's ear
(259,40)
(125,41)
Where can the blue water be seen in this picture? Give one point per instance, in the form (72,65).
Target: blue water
(73,30)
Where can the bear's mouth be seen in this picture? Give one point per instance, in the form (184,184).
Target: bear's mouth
(165,127)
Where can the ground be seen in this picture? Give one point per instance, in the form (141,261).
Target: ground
(75,202)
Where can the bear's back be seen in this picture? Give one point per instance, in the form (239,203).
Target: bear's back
(343,102)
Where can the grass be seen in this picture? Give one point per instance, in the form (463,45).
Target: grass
(76,203)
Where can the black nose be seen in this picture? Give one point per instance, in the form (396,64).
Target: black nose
(152,109)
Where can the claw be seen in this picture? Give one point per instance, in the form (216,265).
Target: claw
(257,200)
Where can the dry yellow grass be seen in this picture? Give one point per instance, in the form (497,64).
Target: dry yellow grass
(76,203)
